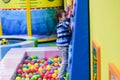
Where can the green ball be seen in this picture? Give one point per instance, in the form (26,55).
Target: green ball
(36,57)
(23,79)
(19,75)
(38,76)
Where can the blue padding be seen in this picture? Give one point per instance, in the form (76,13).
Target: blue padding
(5,49)
(80,49)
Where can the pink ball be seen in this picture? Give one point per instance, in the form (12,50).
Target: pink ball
(39,78)
(30,75)
(19,71)
(51,72)
(45,58)
(46,63)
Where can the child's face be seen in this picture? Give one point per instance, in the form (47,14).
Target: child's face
(63,18)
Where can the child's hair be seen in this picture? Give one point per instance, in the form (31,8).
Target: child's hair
(58,14)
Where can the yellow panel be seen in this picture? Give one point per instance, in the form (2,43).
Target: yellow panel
(28,15)
(34,3)
(0,29)
(105,29)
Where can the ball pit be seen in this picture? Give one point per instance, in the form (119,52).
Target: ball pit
(33,68)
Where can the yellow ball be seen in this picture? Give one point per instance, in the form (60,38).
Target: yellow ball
(27,78)
(35,77)
(56,71)
(36,65)
(55,59)
(4,41)
(40,70)
(54,75)
(48,67)
(24,69)
(29,65)
(18,78)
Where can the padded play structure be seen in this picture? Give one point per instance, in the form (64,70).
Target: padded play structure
(16,42)
(29,18)
(95,39)
(80,43)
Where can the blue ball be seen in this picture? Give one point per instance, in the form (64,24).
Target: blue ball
(34,60)
(50,62)
(25,66)
(29,58)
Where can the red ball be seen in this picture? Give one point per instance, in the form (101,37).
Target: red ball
(50,76)
(56,56)
(26,62)
(23,75)
(32,63)
(42,75)
(38,61)
(45,58)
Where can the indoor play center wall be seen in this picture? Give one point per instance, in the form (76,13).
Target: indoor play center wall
(14,16)
(105,30)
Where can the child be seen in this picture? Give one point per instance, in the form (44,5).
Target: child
(63,40)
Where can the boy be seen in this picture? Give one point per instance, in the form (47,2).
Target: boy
(63,40)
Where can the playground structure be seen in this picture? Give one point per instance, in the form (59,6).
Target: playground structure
(9,70)
(29,18)
(16,42)
(104,34)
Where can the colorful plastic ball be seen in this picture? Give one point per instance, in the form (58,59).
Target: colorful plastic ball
(34,60)
(42,61)
(23,79)
(39,78)
(26,62)
(54,75)
(55,59)
(50,62)
(19,71)
(36,64)
(32,57)
(34,76)
(19,75)
(45,58)
(40,69)
(38,61)
(36,57)
(32,63)
(24,69)
(23,75)
(56,71)
(27,78)
(4,41)
(48,67)
(29,58)
(18,78)
(25,66)
(56,56)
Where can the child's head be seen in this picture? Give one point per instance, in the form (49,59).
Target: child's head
(60,15)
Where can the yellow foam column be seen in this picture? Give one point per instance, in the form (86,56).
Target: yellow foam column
(0,29)
(28,15)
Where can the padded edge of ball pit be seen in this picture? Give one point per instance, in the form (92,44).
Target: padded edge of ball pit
(29,42)
(14,56)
